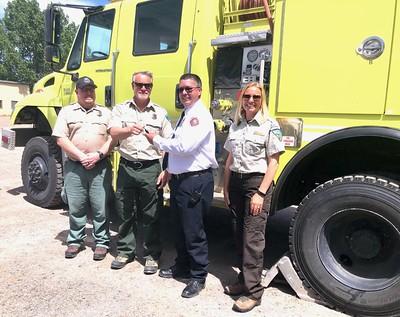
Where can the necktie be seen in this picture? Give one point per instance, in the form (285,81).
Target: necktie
(165,158)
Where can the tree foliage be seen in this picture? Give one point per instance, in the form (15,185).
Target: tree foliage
(22,42)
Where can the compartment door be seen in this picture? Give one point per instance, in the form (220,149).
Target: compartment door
(393,98)
(320,69)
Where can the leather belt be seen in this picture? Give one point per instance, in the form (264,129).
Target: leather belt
(139,164)
(246,175)
(188,174)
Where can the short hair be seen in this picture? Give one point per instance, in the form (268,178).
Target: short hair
(239,115)
(191,76)
(144,72)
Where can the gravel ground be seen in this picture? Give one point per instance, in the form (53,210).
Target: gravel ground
(36,279)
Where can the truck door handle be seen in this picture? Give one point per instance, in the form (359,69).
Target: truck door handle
(371,48)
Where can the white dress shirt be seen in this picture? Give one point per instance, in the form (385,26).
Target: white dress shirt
(193,146)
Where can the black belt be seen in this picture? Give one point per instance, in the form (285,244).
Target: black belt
(187,174)
(246,175)
(139,164)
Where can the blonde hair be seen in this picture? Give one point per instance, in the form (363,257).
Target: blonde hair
(240,113)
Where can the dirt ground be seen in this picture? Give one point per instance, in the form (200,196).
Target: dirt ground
(36,279)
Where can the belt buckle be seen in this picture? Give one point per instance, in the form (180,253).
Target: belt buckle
(137,165)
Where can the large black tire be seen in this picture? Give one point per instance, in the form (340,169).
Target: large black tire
(41,170)
(345,244)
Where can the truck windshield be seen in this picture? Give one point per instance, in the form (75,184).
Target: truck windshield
(157,26)
(99,35)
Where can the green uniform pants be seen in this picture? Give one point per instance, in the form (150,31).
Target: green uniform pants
(137,195)
(88,189)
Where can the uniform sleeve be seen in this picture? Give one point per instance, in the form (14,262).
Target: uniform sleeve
(189,138)
(275,144)
(108,114)
(166,127)
(61,127)
(228,143)
(116,118)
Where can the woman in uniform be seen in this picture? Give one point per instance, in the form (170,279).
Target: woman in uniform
(254,144)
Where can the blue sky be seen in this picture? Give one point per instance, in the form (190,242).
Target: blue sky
(74,15)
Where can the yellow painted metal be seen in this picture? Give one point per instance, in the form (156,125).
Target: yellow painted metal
(168,67)
(320,71)
(393,96)
(44,98)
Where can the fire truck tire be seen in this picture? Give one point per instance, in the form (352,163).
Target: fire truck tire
(345,244)
(41,170)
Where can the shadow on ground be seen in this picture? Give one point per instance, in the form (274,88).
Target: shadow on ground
(222,253)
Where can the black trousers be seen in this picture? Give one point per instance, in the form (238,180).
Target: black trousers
(191,198)
(250,231)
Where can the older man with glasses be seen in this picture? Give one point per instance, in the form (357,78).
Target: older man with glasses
(140,179)
(191,158)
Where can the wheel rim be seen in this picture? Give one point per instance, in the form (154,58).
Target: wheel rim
(360,249)
(38,173)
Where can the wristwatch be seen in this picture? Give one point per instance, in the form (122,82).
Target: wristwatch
(261,193)
(101,155)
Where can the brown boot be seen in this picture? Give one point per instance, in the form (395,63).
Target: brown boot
(100,253)
(245,304)
(234,289)
(72,251)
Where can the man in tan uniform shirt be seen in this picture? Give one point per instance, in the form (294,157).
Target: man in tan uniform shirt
(139,175)
(81,131)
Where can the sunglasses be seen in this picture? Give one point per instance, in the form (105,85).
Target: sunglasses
(255,97)
(145,85)
(187,89)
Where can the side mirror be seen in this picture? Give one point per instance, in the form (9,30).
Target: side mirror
(52,54)
(52,26)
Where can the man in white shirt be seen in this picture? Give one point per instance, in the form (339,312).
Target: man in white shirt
(191,158)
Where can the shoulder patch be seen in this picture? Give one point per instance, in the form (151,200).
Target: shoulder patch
(277,133)
(194,121)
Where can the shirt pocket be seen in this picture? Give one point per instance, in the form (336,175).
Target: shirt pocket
(99,126)
(74,124)
(234,144)
(254,145)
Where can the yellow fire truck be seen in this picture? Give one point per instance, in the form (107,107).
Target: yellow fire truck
(332,69)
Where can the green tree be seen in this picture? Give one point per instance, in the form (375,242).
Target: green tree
(22,43)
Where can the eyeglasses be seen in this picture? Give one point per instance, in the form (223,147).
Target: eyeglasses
(255,97)
(187,89)
(145,85)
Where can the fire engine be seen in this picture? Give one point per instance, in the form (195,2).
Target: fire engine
(332,72)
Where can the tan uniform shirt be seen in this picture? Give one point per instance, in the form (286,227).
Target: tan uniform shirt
(153,118)
(86,129)
(252,142)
